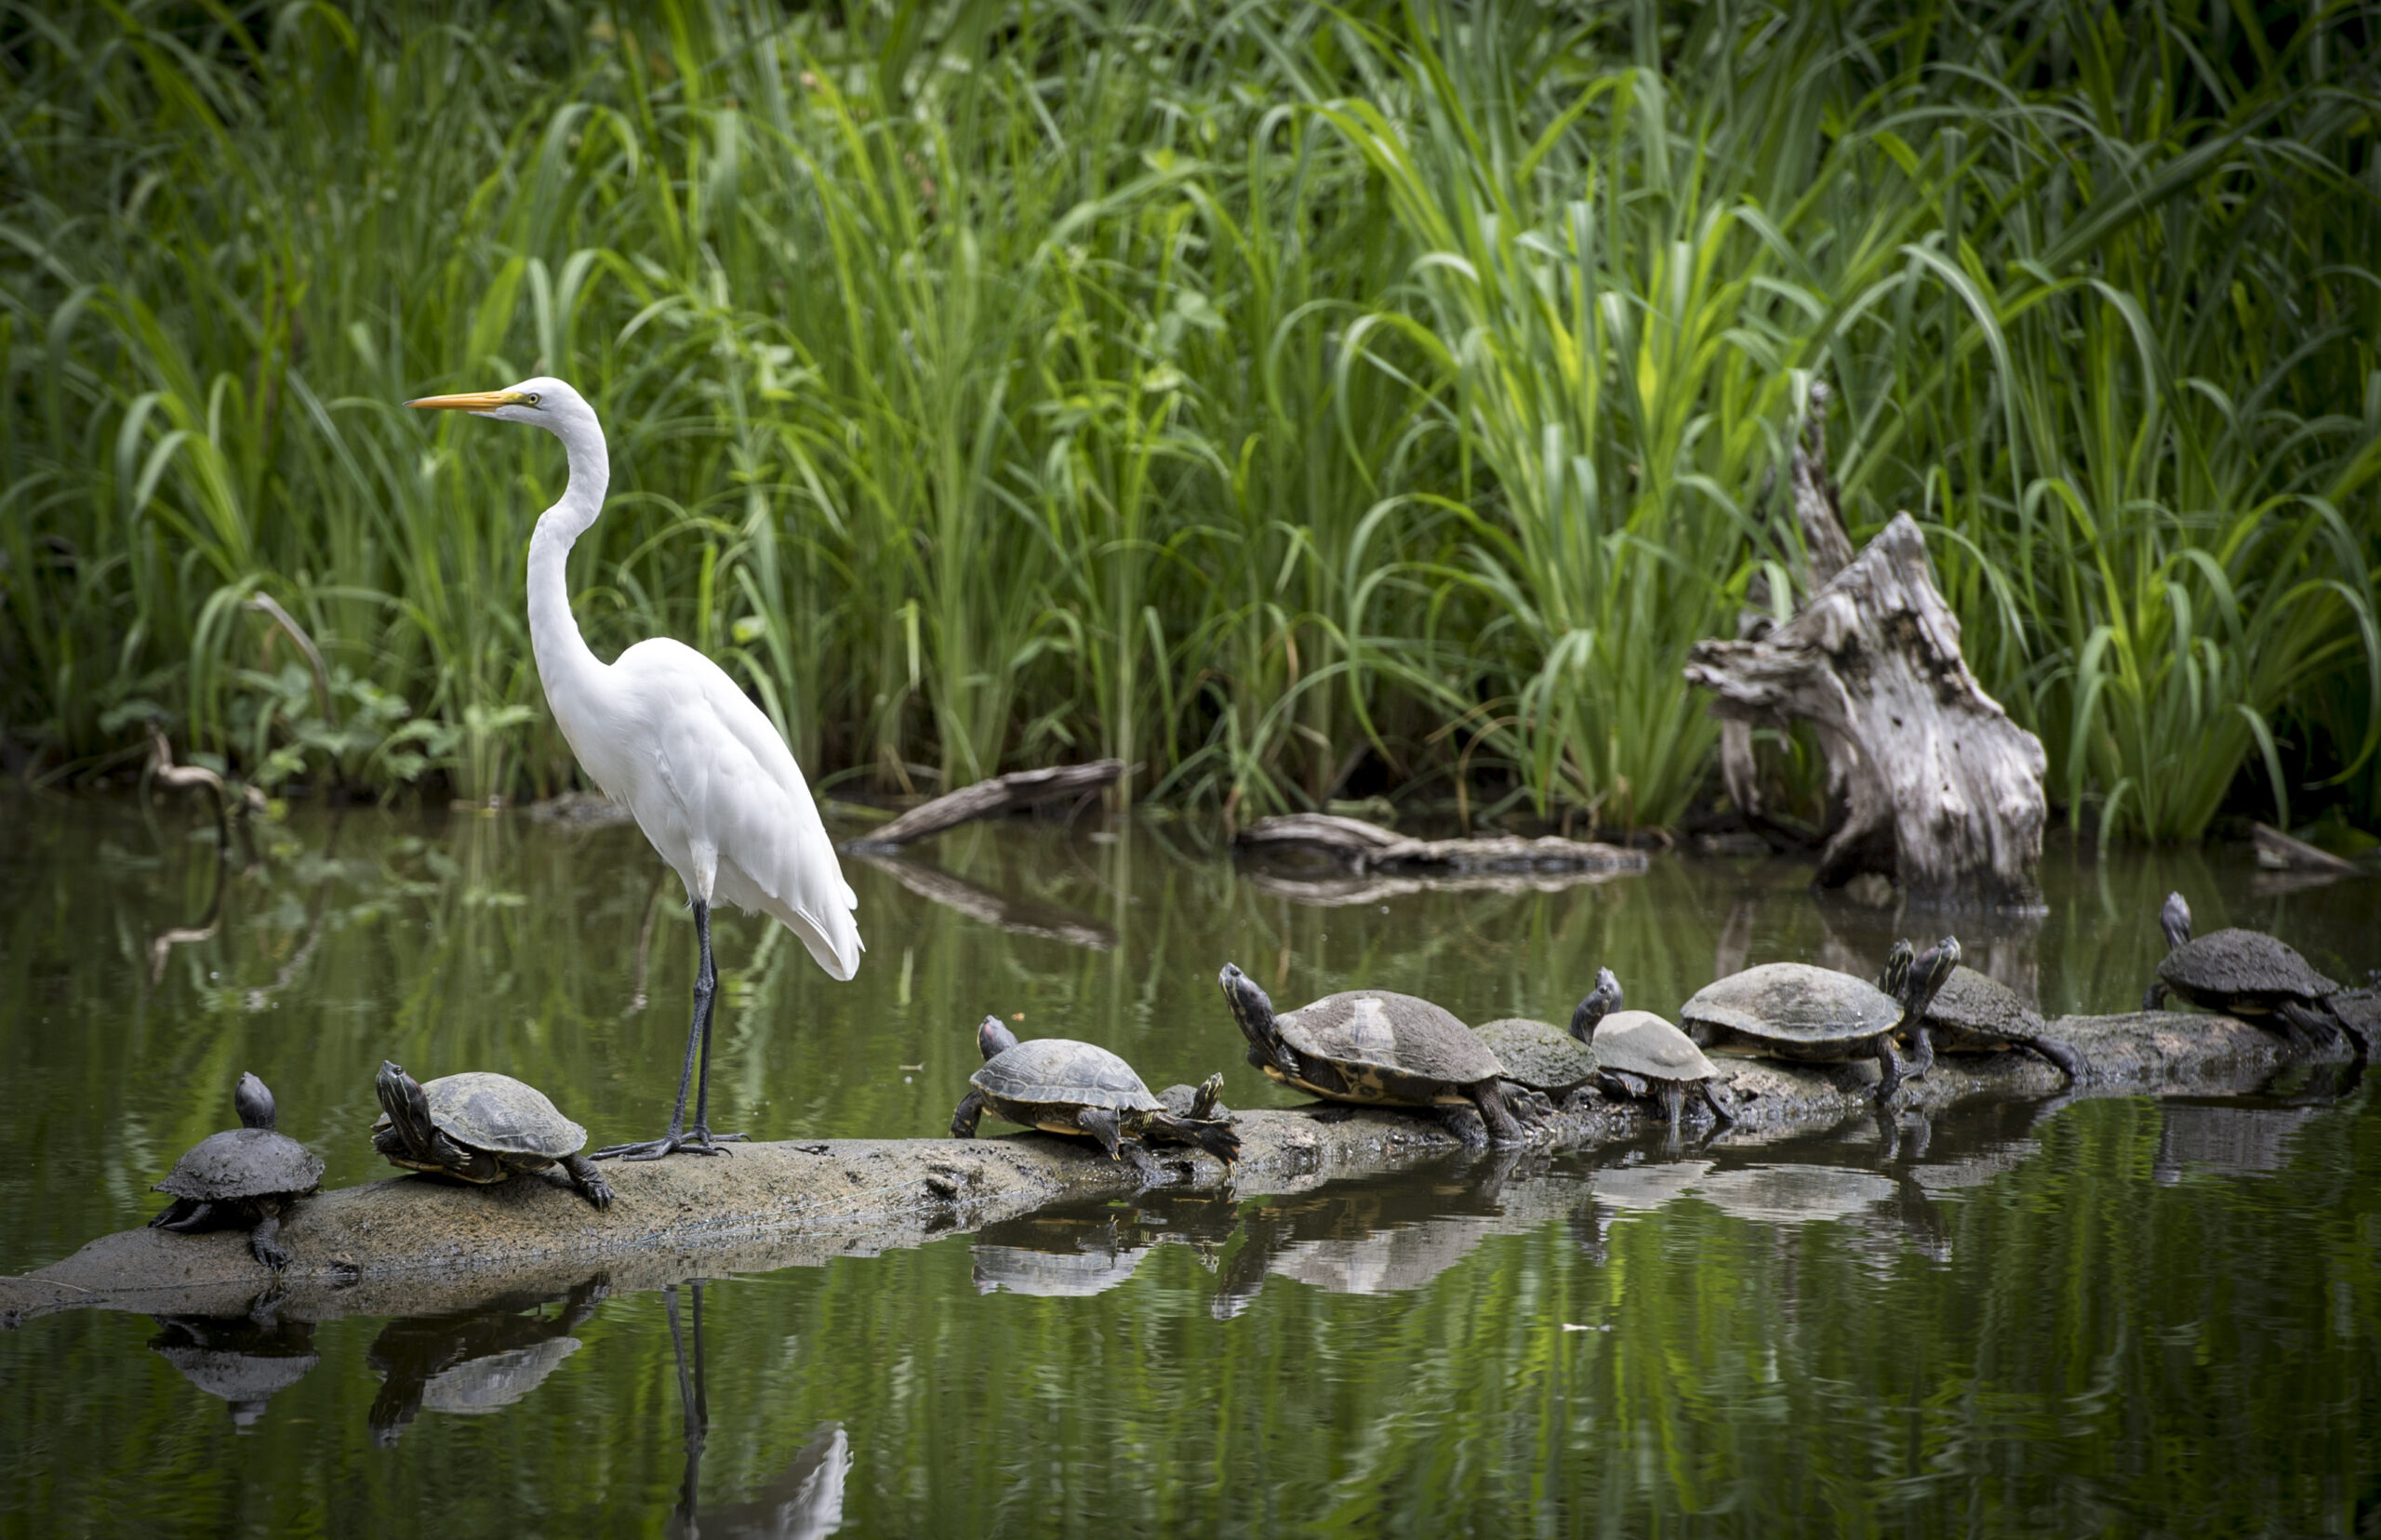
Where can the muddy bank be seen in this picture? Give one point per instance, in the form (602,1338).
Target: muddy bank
(413,1245)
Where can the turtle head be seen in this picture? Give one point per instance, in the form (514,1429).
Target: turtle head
(254,1103)
(1250,1006)
(1598,1005)
(2174,918)
(993,1038)
(1929,974)
(1894,977)
(401,1099)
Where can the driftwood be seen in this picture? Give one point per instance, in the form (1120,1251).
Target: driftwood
(2279,852)
(999,794)
(1369,847)
(1937,789)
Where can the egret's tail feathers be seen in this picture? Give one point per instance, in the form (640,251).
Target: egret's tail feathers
(838,953)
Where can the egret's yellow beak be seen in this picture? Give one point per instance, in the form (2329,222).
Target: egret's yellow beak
(472,401)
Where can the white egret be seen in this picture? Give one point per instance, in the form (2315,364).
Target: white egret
(665,731)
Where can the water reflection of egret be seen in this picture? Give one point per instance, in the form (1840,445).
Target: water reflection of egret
(663,729)
(804,1501)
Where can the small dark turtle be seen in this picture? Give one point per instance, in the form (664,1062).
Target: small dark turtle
(481,1128)
(243,1178)
(1377,1049)
(2249,974)
(1069,1087)
(1540,1057)
(1973,1013)
(1810,1015)
(1644,1054)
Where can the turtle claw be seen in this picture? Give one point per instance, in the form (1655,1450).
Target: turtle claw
(694,1141)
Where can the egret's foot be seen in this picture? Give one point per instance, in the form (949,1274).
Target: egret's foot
(694,1141)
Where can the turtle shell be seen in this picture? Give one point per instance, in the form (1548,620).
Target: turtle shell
(2242,962)
(499,1113)
(1793,1002)
(1970,1003)
(1062,1070)
(1641,1044)
(1378,1028)
(1538,1054)
(243,1162)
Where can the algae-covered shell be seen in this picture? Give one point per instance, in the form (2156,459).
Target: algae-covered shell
(1538,1054)
(1378,1028)
(1971,1002)
(243,1162)
(2242,962)
(1639,1043)
(1062,1071)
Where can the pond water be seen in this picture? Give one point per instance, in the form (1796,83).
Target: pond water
(2115,1315)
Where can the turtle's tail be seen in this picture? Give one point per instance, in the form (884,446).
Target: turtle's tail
(1215,1136)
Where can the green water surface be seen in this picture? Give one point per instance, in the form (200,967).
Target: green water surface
(2118,1315)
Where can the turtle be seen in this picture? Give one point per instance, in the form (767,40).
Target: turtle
(1810,1015)
(479,1127)
(245,1177)
(1377,1048)
(1541,1057)
(2250,975)
(1069,1087)
(1644,1054)
(1973,1013)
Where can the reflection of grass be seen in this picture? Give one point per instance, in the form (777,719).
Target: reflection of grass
(1234,397)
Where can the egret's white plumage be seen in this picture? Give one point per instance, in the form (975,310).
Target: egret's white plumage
(665,732)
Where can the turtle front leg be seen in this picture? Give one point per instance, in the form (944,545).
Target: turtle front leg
(1465,1124)
(185,1216)
(1673,1094)
(265,1241)
(1889,1056)
(1712,1099)
(1503,1131)
(1101,1124)
(587,1179)
(2154,997)
(969,1113)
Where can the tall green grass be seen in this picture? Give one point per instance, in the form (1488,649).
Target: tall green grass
(1267,396)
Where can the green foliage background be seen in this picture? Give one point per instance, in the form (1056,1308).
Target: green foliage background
(1240,392)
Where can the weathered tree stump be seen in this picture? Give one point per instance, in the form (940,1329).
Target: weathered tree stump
(999,794)
(1933,786)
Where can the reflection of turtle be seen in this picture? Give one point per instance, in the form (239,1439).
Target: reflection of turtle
(1809,1014)
(472,1363)
(243,1178)
(1058,1254)
(1375,1048)
(1645,1056)
(1975,1014)
(1540,1057)
(1069,1087)
(481,1128)
(243,1359)
(2246,973)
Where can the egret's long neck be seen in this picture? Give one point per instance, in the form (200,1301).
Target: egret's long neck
(565,667)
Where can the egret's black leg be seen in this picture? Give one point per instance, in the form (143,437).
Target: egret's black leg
(699,1139)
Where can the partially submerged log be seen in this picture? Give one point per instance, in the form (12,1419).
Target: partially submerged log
(2280,851)
(1938,789)
(1369,847)
(1000,795)
(412,1245)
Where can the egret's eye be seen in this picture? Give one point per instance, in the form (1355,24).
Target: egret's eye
(534,398)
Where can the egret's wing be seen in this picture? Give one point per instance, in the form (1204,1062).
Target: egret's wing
(740,792)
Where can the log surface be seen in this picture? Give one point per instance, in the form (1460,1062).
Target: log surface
(413,1245)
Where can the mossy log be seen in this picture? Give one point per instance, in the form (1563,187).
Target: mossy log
(1364,847)
(999,794)
(411,1244)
